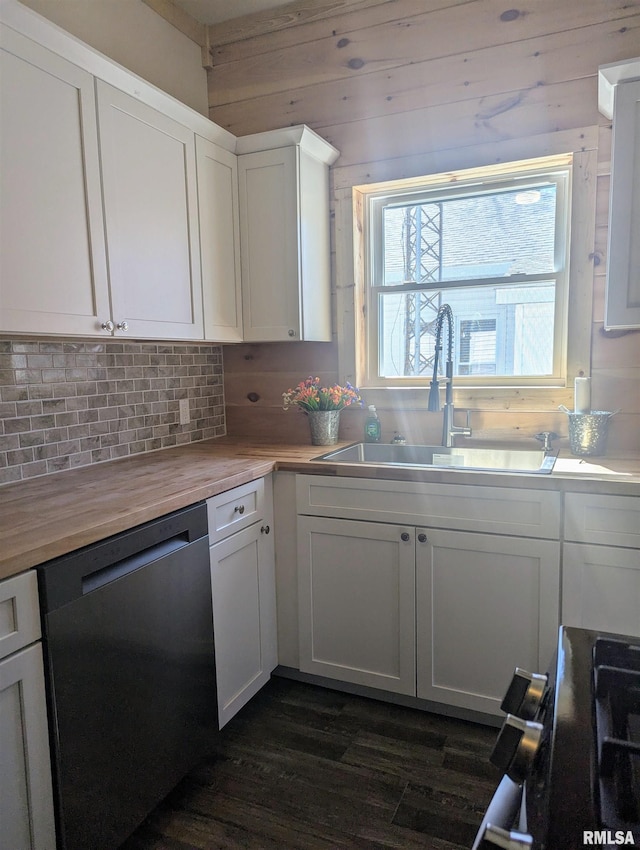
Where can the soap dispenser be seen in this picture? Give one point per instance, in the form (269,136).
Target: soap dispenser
(372,426)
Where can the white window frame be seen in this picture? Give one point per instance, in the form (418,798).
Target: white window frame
(521,175)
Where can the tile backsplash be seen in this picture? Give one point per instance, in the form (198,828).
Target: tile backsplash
(67,404)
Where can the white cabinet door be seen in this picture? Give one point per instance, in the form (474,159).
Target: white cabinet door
(269,245)
(53,274)
(285,250)
(26,803)
(622,307)
(244,616)
(150,200)
(485,604)
(356,588)
(601,588)
(219,241)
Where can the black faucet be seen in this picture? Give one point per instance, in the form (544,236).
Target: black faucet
(449,430)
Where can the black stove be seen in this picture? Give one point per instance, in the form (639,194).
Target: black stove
(572,748)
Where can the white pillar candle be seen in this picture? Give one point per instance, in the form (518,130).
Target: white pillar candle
(582,395)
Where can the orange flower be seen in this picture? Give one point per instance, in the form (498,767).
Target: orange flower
(309,395)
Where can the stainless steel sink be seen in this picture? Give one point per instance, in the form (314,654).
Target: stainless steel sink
(459,457)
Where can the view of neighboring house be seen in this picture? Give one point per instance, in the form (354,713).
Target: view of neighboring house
(501,328)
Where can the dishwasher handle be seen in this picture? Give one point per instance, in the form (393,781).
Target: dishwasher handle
(74,575)
(99,578)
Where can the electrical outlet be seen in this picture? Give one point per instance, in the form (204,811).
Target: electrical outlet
(185,418)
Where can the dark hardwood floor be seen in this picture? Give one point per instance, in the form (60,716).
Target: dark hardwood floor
(305,768)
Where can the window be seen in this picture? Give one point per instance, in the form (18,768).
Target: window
(493,244)
(477,347)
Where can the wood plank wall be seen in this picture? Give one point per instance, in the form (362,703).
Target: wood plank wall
(404,87)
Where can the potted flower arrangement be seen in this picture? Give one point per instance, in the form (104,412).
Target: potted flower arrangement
(322,405)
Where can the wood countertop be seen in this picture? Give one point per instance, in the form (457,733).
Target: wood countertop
(46,517)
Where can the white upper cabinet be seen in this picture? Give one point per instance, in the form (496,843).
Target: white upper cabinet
(151,216)
(53,275)
(219,241)
(124,212)
(284,235)
(619,98)
(269,245)
(99,198)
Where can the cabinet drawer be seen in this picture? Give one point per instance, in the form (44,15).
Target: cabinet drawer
(235,509)
(498,510)
(613,520)
(19,613)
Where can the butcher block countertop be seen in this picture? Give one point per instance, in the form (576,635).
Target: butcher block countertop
(46,517)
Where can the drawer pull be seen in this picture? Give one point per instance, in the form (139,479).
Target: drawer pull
(265,529)
(239,509)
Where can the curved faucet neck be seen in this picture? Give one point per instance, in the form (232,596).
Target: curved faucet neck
(444,312)
(449,430)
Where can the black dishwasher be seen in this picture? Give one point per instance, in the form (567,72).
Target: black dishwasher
(129,656)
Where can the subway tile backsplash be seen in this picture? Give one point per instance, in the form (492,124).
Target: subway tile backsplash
(68,404)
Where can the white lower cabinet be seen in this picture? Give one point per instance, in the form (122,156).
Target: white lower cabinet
(244,601)
(601,588)
(357,602)
(486,604)
(26,802)
(441,613)
(601,563)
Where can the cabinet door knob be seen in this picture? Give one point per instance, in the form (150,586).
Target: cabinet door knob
(291,332)
(405,536)
(108,326)
(239,509)
(422,537)
(122,326)
(265,529)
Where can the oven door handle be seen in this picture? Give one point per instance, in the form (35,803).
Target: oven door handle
(503,809)
(505,839)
